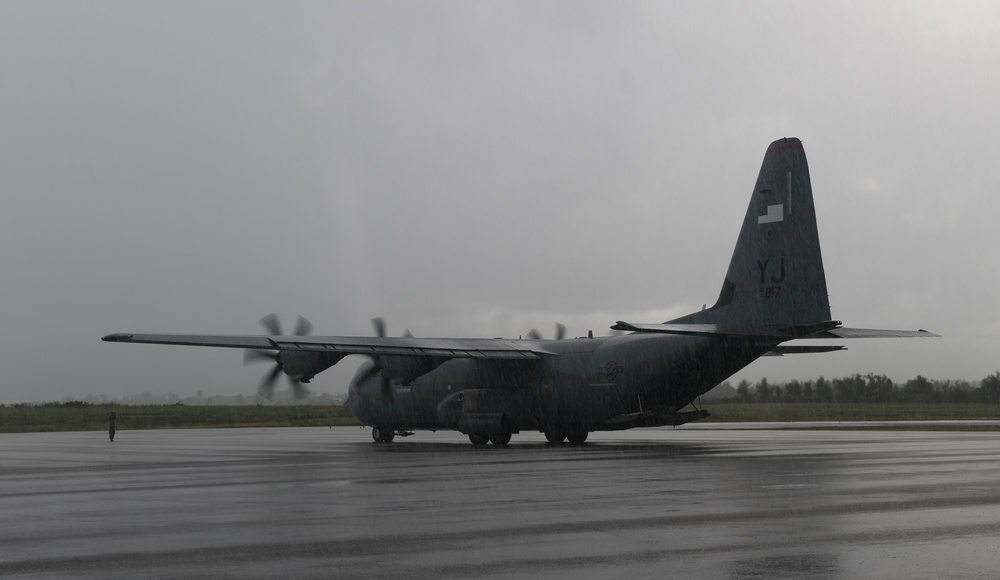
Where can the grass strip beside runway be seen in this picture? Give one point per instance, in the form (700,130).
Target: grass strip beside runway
(35,418)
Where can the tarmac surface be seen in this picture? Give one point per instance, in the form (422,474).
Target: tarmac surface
(649,503)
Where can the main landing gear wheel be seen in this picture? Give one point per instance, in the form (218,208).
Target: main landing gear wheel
(577,436)
(383,434)
(554,437)
(479,438)
(501,438)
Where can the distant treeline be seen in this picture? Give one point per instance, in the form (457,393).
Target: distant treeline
(858,388)
(61,405)
(281,399)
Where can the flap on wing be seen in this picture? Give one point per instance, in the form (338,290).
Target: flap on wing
(481,348)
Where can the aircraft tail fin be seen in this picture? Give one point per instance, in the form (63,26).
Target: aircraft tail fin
(775,278)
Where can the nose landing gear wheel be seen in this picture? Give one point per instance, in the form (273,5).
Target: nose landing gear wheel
(383,434)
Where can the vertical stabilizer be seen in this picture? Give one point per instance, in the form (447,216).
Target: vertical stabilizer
(776,277)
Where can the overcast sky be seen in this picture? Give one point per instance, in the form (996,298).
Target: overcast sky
(478,169)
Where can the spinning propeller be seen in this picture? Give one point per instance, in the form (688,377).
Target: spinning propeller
(273,327)
(560,333)
(376,368)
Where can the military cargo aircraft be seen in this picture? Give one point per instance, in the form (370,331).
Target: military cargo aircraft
(644,376)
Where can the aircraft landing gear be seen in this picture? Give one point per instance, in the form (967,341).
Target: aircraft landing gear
(498,438)
(501,438)
(554,436)
(383,434)
(577,435)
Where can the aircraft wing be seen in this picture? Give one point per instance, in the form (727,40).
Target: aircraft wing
(479,348)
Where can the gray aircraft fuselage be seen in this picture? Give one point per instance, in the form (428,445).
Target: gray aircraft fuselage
(588,383)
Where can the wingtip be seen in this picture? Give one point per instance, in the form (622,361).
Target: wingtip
(117,337)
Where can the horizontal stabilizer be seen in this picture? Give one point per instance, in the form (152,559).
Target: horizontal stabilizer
(694,329)
(842,332)
(829,329)
(757,331)
(799,349)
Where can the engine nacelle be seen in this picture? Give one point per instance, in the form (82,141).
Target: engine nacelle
(405,369)
(304,365)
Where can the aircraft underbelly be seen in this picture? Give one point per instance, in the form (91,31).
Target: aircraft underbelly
(670,371)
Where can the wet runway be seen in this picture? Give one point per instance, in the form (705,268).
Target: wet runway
(317,502)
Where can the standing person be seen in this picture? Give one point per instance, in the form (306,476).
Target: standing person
(111,426)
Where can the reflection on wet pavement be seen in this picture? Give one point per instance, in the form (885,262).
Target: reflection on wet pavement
(318,502)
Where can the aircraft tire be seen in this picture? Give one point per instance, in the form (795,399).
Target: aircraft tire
(479,438)
(383,434)
(554,437)
(577,436)
(500,439)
